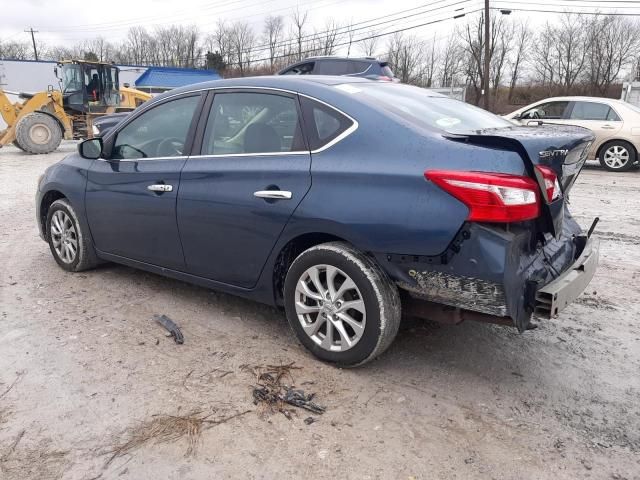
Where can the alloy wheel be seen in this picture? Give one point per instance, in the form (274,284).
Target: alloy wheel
(616,156)
(330,308)
(64,236)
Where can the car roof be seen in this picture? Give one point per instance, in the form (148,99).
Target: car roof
(579,98)
(296,83)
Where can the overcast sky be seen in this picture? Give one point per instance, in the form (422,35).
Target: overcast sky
(70,21)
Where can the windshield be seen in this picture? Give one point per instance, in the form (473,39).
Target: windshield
(427,109)
(71,78)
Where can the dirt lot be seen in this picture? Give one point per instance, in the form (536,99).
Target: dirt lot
(82,367)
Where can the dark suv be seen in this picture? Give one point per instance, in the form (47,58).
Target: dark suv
(367,67)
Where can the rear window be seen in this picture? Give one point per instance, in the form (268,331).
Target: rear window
(426,109)
(341,67)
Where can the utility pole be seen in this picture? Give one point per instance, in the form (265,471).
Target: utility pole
(485,81)
(33,39)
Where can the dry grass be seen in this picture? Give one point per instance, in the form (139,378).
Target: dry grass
(31,463)
(168,429)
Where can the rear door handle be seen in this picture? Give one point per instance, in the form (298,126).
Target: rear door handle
(608,127)
(273,194)
(160,188)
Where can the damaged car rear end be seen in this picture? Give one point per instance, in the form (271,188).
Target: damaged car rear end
(513,249)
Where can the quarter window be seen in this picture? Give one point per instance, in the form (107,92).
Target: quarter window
(159,132)
(245,123)
(324,123)
(593,111)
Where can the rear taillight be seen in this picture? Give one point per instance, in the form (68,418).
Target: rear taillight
(491,197)
(551,184)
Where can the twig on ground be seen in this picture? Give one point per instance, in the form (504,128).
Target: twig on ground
(13,384)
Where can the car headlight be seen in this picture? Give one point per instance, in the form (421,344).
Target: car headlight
(95,130)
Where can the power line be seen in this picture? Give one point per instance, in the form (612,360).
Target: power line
(519,9)
(360,39)
(348,29)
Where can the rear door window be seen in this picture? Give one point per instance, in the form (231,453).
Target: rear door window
(252,123)
(593,111)
(324,124)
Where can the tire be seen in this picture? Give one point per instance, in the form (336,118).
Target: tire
(80,254)
(617,156)
(17,145)
(373,322)
(38,133)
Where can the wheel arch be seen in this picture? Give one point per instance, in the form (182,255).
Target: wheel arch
(290,251)
(45,203)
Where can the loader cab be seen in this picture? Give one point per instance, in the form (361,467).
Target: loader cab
(89,87)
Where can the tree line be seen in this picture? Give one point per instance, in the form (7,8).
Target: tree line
(571,54)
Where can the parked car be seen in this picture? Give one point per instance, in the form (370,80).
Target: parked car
(367,67)
(342,200)
(615,124)
(103,124)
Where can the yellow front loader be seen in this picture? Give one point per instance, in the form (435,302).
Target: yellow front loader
(39,122)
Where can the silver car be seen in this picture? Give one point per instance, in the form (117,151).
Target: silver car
(616,125)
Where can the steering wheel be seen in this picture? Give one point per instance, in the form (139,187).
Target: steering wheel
(535,114)
(171,146)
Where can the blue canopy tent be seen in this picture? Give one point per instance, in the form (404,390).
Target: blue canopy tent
(161,79)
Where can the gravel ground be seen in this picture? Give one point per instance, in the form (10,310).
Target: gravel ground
(82,366)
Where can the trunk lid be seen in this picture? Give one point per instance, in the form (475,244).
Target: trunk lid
(562,148)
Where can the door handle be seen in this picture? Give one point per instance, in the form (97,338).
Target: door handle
(273,194)
(608,127)
(160,188)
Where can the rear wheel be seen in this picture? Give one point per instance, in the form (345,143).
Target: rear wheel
(341,305)
(38,133)
(617,156)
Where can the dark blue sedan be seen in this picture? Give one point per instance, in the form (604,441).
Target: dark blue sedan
(343,200)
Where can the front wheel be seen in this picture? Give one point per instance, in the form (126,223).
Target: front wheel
(617,156)
(69,244)
(38,133)
(341,305)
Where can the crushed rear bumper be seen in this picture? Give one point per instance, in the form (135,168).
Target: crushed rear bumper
(556,295)
(502,271)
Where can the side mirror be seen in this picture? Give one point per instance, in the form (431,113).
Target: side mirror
(90,149)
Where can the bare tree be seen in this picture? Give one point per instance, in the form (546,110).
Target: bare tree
(299,20)
(451,60)
(369,44)
(273,28)
(614,44)
(15,50)
(522,36)
(243,41)
(405,56)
